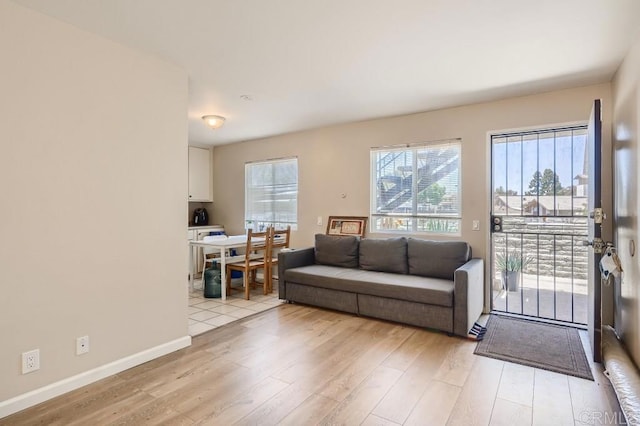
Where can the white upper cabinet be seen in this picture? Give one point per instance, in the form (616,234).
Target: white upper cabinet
(200,174)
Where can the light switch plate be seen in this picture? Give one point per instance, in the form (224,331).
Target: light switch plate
(476,225)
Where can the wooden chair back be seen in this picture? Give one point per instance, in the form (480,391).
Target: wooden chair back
(281,237)
(258,244)
(257,256)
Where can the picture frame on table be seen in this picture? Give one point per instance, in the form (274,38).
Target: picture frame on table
(347,225)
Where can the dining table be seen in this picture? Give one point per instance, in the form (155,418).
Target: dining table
(222,244)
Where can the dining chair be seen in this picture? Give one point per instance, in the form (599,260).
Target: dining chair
(280,239)
(256,256)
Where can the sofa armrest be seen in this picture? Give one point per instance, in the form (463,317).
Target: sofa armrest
(292,259)
(468,295)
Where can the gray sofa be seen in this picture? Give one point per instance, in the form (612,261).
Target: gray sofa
(433,284)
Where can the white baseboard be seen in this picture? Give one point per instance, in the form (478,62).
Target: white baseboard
(52,390)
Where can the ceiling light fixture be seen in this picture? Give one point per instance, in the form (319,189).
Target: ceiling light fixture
(214,121)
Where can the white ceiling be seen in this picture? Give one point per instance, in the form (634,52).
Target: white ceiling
(307,64)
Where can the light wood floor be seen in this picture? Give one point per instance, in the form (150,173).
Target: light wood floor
(297,365)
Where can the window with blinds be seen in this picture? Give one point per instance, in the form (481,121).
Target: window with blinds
(416,188)
(271,194)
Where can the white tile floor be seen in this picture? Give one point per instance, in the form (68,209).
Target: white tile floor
(206,314)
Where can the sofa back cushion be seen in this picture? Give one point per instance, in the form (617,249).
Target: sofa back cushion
(437,259)
(336,250)
(384,255)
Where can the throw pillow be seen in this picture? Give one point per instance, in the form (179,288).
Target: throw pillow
(437,259)
(336,250)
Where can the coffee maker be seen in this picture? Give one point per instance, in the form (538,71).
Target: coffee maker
(200,217)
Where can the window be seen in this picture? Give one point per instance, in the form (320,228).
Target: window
(271,193)
(416,188)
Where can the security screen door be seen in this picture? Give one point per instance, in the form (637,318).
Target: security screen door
(539,219)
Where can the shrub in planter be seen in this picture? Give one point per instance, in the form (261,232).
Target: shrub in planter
(510,265)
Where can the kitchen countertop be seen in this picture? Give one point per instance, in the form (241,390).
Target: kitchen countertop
(204,227)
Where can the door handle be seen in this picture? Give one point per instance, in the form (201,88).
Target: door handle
(598,244)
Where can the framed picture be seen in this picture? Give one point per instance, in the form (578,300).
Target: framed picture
(347,225)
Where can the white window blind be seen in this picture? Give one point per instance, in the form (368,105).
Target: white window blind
(416,188)
(271,193)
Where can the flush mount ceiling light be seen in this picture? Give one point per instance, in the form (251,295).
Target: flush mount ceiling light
(213,121)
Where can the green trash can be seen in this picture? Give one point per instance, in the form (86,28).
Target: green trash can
(212,281)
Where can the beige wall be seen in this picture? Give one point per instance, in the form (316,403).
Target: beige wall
(335,160)
(93,187)
(626,131)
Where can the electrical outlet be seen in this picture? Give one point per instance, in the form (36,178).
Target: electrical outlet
(30,361)
(82,345)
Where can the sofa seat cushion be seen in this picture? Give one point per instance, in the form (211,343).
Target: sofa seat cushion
(434,291)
